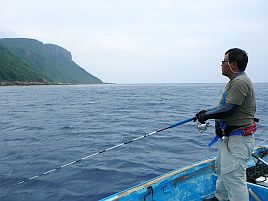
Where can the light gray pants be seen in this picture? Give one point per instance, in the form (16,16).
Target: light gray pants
(231,164)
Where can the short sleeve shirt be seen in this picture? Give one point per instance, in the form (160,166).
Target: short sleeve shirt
(239,91)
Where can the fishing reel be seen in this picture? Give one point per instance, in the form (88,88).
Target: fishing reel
(203,127)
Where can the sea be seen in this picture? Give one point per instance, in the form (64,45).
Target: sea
(45,127)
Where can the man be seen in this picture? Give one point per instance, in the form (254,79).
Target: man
(234,123)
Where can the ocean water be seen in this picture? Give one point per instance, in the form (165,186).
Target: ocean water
(44,127)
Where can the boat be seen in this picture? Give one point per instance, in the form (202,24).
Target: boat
(197,182)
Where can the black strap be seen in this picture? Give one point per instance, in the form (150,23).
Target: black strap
(256,120)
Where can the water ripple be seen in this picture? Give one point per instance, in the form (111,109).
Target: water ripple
(54,125)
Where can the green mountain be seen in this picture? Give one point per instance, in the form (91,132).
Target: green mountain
(36,61)
(13,69)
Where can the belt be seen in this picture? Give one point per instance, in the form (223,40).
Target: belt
(244,132)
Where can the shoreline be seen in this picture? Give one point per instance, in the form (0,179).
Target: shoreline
(2,84)
(30,83)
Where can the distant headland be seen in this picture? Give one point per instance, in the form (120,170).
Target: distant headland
(26,61)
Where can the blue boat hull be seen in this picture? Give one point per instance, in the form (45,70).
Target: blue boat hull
(194,182)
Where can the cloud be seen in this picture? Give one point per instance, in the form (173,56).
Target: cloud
(6,33)
(122,41)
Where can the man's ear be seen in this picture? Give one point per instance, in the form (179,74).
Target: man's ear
(233,64)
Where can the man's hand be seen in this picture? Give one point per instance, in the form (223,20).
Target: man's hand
(201,116)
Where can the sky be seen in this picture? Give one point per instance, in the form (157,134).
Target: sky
(146,41)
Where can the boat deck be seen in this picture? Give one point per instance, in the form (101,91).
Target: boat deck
(191,183)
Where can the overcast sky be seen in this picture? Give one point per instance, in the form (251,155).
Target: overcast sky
(146,41)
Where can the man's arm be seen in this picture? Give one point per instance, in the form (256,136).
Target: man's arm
(216,113)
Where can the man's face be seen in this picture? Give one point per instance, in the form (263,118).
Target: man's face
(225,69)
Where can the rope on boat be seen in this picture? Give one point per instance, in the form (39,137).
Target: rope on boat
(105,150)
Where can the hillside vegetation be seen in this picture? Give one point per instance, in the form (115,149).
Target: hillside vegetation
(23,60)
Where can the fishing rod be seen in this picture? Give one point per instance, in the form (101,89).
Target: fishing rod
(200,127)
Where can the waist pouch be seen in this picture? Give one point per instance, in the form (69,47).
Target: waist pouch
(234,130)
(222,129)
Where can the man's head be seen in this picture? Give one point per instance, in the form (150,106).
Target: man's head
(239,56)
(235,61)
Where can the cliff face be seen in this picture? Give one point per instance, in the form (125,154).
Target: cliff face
(52,50)
(50,61)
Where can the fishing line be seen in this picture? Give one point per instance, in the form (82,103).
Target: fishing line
(105,150)
(257,137)
(261,132)
(262,142)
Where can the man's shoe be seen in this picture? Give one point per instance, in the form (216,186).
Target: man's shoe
(211,199)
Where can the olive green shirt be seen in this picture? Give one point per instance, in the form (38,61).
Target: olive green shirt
(240,92)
